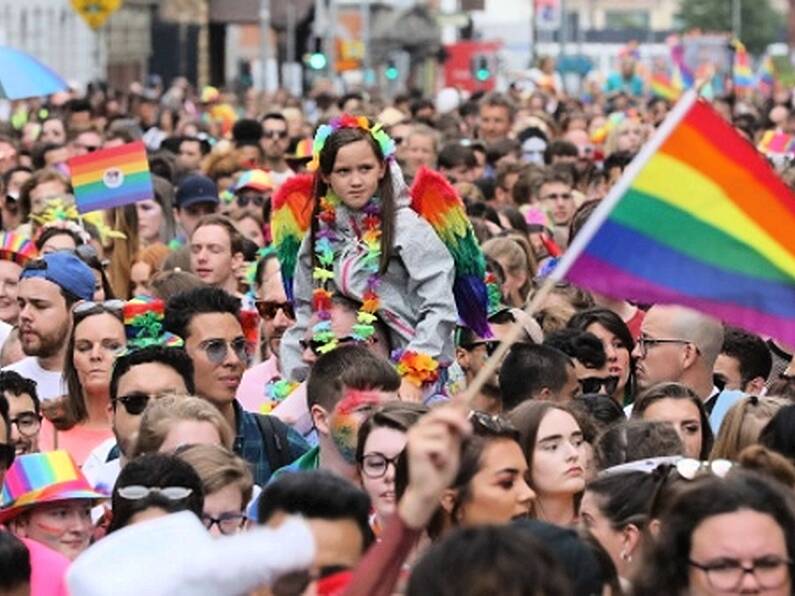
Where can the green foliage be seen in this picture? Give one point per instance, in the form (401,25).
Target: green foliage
(760,22)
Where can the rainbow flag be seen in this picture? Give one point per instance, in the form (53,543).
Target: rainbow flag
(766,77)
(776,142)
(698,219)
(741,70)
(111,177)
(664,86)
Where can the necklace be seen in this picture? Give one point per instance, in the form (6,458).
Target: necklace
(323,271)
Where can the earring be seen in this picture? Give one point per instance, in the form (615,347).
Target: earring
(625,556)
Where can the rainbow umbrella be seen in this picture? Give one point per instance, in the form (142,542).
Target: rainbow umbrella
(22,76)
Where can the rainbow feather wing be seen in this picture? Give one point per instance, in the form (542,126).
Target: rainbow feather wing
(290,218)
(437,201)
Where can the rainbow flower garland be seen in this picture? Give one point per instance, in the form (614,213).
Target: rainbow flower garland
(324,131)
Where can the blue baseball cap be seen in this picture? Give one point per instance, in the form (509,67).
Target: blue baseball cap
(65,270)
(196,188)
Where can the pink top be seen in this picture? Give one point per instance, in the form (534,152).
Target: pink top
(47,570)
(79,440)
(251,391)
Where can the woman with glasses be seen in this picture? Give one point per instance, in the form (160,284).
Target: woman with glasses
(556,453)
(732,535)
(97,338)
(382,438)
(154,485)
(678,405)
(618,344)
(227,484)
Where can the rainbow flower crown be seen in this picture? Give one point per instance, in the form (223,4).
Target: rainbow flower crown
(376,131)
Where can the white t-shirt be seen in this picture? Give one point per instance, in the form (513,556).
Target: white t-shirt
(49,384)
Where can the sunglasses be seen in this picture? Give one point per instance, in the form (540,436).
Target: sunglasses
(7,454)
(268,309)
(217,350)
(605,385)
(136,492)
(491,345)
(316,346)
(256,200)
(275,134)
(135,402)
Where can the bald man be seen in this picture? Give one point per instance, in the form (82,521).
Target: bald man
(678,345)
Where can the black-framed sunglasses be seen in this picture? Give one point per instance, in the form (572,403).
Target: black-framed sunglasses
(316,346)
(275,134)
(268,309)
(255,199)
(217,349)
(375,465)
(605,385)
(134,402)
(228,523)
(491,345)
(7,455)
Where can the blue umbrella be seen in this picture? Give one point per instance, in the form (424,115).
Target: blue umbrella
(23,76)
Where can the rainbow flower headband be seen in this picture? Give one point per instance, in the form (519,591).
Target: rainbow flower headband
(376,131)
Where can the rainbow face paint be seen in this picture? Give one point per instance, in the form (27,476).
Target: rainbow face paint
(348,416)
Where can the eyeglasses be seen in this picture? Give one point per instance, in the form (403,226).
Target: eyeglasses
(268,309)
(316,346)
(605,385)
(491,345)
(256,200)
(275,134)
(645,342)
(7,454)
(375,465)
(228,523)
(136,492)
(218,349)
(114,306)
(27,423)
(726,575)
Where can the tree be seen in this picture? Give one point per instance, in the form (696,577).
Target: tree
(760,22)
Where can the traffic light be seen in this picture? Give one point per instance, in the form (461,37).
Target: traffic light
(391,72)
(481,67)
(316,58)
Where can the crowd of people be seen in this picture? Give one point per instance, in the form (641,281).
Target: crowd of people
(260,380)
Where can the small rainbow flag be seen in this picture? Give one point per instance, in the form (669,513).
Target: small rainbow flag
(111,177)
(776,142)
(743,76)
(663,86)
(767,75)
(699,219)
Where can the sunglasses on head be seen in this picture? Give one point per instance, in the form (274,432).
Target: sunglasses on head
(256,200)
(217,349)
(113,306)
(136,492)
(268,309)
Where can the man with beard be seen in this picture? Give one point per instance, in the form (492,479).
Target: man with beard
(275,142)
(48,289)
(276,316)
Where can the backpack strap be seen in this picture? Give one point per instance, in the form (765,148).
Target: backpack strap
(274,436)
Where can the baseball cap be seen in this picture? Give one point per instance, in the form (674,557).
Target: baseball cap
(65,270)
(196,188)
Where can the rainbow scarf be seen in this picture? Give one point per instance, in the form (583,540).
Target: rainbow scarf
(698,219)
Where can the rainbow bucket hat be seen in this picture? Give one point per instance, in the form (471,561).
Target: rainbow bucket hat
(17,248)
(37,478)
(258,180)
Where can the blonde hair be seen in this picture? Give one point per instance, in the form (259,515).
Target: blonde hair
(162,414)
(743,423)
(218,468)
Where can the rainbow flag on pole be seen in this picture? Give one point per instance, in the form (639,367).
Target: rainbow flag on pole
(698,219)
(111,177)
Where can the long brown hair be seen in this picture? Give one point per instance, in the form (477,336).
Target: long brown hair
(328,156)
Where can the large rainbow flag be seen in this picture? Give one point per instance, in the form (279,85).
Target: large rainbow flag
(111,177)
(698,219)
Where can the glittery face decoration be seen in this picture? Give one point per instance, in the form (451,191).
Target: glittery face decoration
(348,416)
